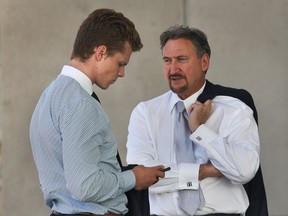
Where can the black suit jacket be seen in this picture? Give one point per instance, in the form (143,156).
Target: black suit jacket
(138,201)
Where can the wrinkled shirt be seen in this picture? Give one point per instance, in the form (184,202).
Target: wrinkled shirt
(229,140)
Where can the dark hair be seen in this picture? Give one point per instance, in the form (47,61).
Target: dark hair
(105,27)
(196,36)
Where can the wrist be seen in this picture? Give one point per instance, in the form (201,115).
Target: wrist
(195,126)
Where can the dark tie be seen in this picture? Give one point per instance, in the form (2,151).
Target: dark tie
(138,201)
(118,156)
(95,96)
(189,200)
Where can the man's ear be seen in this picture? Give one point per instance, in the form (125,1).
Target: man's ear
(205,62)
(100,52)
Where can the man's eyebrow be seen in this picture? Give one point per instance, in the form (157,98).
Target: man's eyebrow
(177,57)
(183,56)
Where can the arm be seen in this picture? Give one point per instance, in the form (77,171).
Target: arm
(230,138)
(89,154)
(208,170)
(199,114)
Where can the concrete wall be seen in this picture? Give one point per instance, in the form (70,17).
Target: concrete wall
(248,41)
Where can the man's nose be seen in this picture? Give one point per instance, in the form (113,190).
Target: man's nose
(174,67)
(121,72)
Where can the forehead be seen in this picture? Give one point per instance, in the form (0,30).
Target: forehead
(125,55)
(178,47)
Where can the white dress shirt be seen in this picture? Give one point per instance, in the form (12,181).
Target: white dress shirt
(229,140)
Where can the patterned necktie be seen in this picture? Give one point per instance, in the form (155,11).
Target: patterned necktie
(189,200)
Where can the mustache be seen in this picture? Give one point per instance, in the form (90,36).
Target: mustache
(176,75)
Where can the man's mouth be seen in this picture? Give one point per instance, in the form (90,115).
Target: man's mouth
(175,78)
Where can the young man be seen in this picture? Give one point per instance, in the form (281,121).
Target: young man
(214,155)
(71,137)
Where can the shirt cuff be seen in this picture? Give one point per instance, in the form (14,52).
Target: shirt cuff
(127,180)
(203,135)
(188,176)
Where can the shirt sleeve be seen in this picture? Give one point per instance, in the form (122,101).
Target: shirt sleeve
(188,176)
(233,147)
(89,154)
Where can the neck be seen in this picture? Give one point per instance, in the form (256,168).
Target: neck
(82,66)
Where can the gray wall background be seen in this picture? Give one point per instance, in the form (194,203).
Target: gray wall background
(249,50)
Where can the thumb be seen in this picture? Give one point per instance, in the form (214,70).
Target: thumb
(208,102)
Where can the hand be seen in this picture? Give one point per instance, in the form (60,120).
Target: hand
(199,113)
(208,170)
(147,176)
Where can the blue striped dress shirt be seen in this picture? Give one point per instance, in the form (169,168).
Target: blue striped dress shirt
(75,151)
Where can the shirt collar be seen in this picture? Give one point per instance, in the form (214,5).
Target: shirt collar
(188,101)
(79,76)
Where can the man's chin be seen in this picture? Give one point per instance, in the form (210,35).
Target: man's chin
(104,87)
(176,90)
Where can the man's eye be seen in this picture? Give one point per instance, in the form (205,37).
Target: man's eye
(166,61)
(182,59)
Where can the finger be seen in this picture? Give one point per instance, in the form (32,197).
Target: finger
(208,102)
(160,167)
(161,175)
(191,108)
(198,102)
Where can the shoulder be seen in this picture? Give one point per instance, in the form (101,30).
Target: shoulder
(230,110)
(241,94)
(229,102)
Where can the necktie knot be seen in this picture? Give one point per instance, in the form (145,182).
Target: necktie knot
(181,110)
